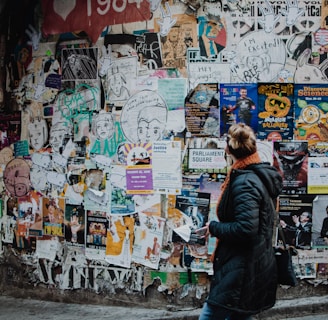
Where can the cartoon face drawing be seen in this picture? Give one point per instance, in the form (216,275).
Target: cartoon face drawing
(144,117)
(17,177)
(38,132)
(151,126)
(57,135)
(103,126)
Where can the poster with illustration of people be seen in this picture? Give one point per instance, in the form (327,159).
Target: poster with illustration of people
(144,117)
(291,160)
(238,103)
(74,225)
(195,207)
(296,219)
(96,232)
(177,32)
(148,240)
(29,220)
(320,222)
(120,235)
(120,82)
(53,216)
(311,112)
(276,111)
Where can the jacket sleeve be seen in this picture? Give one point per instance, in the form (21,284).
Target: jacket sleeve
(243,218)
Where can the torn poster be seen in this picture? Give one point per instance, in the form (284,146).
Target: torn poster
(148,240)
(119,244)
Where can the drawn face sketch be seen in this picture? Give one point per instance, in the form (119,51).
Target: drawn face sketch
(103,126)
(117,89)
(57,135)
(259,57)
(213,8)
(38,133)
(17,177)
(121,154)
(144,117)
(116,82)
(151,123)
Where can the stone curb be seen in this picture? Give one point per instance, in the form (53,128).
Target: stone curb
(284,309)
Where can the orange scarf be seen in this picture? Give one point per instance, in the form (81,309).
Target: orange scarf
(239,164)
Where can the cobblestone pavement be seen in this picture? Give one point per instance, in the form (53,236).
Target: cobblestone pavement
(28,309)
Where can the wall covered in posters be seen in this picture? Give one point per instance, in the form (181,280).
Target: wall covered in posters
(112,131)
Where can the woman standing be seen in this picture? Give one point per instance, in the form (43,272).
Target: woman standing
(245,278)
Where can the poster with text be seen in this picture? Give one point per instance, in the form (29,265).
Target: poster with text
(195,207)
(295,218)
(238,103)
(167,167)
(96,232)
(276,112)
(318,175)
(291,160)
(311,108)
(202,111)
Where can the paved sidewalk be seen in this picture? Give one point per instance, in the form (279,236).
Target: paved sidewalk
(312,308)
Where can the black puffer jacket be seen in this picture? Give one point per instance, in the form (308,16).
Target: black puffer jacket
(244,277)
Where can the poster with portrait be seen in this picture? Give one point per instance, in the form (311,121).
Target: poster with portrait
(29,220)
(320,222)
(195,207)
(291,160)
(74,225)
(96,232)
(238,103)
(53,210)
(276,111)
(296,219)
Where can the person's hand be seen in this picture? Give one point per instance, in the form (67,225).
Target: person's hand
(203,232)
(283,223)
(296,219)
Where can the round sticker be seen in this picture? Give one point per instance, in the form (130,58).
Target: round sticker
(310,114)
(17,177)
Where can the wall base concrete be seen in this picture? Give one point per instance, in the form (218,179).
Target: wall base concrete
(16,281)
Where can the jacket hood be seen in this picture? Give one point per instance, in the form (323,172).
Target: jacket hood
(270,177)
